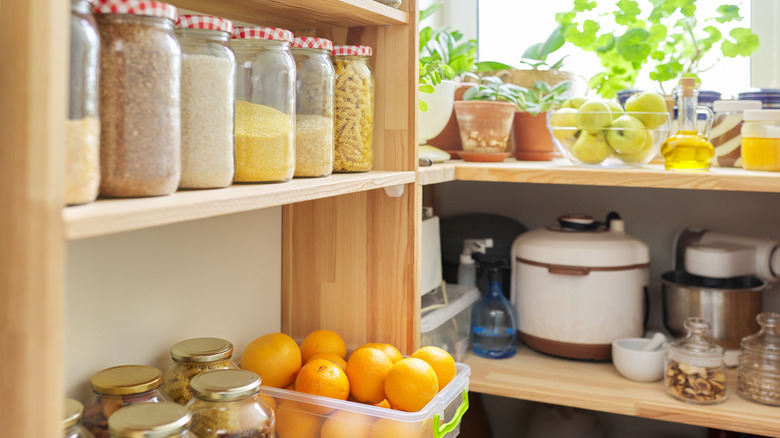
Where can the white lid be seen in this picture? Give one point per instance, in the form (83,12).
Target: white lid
(768,114)
(735,105)
(720,260)
(589,248)
(466,296)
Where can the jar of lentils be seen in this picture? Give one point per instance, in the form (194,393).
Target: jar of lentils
(71,422)
(695,367)
(758,374)
(208,82)
(190,358)
(140,72)
(353,109)
(265,105)
(151,420)
(314,81)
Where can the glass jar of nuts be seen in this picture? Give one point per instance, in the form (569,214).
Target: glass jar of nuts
(695,370)
(192,357)
(758,375)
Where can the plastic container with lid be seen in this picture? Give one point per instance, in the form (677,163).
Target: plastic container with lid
(208,81)
(140,105)
(725,134)
(761,140)
(265,105)
(228,403)
(314,82)
(151,420)
(758,375)
(446,318)
(769,97)
(190,358)
(695,367)
(353,109)
(71,421)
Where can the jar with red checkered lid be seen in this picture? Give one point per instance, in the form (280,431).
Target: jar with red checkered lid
(314,83)
(140,104)
(353,109)
(265,105)
(208,82)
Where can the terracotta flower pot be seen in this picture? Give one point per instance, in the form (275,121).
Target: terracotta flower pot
(531,138)
(484,126)
(449,138)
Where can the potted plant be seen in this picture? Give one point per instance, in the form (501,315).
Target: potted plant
(530,136)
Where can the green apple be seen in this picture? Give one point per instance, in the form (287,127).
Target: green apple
(563,124)
(626,135)
(647,102)
(615,107)
(573,102)
(643,155)
(591,148)
(593,116)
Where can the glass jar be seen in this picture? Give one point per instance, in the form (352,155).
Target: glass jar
(82,130)
(71,422)
(392,3)
(140,71)
(769,97)
(695,367)
(190,358)
(151,420)
(725,134)
(227,403)
(353,109)
(208,82)
(758,374)
(116,387)
(761,140)
(314,81)
(265,105)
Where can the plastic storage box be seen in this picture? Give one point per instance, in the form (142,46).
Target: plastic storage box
(447,324)
(302,415)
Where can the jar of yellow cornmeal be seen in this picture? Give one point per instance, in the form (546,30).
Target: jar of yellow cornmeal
(265,105)
(353,109)
(761,140)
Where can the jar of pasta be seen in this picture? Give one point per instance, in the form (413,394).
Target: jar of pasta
(227,403)
(71,421)
(208,75)
(190,358)
(761,140)
(353,109)
(265,105)
(314,80)
(116,387)
(151,420)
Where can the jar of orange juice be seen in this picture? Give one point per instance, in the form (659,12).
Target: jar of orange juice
(761,140)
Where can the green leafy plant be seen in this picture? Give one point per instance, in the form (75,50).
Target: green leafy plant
(668,36)
(542,97)
(492,88)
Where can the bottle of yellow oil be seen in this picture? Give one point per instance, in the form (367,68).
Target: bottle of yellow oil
(687,149)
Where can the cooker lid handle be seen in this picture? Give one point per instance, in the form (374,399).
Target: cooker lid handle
(577,222)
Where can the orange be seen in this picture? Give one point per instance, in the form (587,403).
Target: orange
(387,428)
(323,377)
(346,424)
(366,370)
(322,341)
(333,357)
(442,362)
(275,357)
(410,384)
(293,421)
(383,404)
(388,349)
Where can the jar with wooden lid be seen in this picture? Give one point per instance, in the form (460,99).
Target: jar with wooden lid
(758,374)
(761,140)
(190,358)
(151,420)
(71,421)
(353,109)
(116,387)
(265,105)
(140,90)
(695,367)
(314,81)
(228,404)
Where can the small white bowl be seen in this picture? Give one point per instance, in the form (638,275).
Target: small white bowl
(633,364)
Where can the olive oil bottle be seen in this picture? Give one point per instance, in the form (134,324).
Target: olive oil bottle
(687,149)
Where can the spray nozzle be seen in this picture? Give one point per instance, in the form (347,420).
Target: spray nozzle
(474,246)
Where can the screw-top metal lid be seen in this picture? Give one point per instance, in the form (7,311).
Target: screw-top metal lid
(225,385)
(73,410)
(126,379)
(149,420)
(202,350)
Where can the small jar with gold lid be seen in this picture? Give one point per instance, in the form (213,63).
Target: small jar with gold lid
(71,422)
(227,403)
(116,387)
(192,357)
(151,420)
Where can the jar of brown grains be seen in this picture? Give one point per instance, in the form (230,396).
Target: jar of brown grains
(71,421)
(208,75)
(265,105)
(695,367)
(758,374)
(314,81)
(353,109)
(192,357)
(116,387)
(140,68)
(151,420)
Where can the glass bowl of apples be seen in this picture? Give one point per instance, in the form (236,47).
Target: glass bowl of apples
(601,133)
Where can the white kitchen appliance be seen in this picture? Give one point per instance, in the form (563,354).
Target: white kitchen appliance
(430,266)
(579,286)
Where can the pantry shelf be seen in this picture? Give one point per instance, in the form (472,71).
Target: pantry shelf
(597,386)
(109,216)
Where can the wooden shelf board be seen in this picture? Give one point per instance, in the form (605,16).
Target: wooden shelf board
(300,14)
(436,174)
(108,216)
(598,386)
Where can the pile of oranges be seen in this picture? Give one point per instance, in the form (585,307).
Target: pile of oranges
(374,374)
